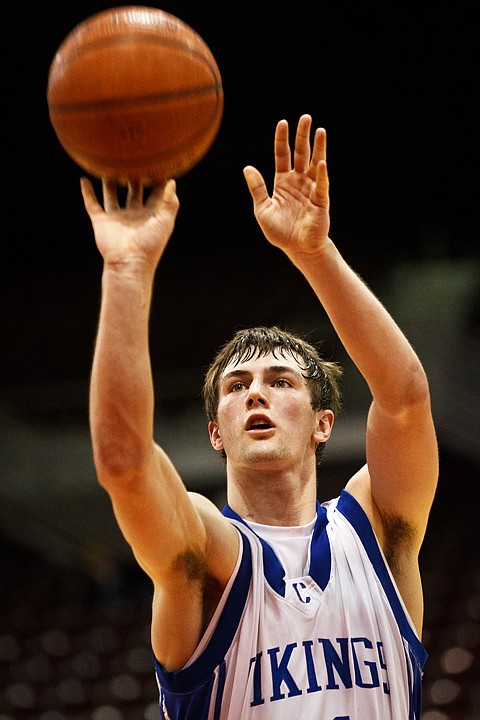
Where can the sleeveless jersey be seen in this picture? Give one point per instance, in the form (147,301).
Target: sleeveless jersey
(334,644)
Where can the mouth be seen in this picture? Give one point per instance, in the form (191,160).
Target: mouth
(257,423)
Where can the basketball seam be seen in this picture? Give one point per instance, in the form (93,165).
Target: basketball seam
(203,132)
(89,47)
(116,103)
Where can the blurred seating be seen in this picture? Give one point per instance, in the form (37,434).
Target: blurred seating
(71,650)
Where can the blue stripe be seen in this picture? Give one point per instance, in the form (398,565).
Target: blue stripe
(191,706)
(414,687)
(274,572)
(222,673)
(320,555)
(196,674)
(352,510)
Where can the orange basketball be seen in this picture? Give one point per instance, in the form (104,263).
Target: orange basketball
(134,93)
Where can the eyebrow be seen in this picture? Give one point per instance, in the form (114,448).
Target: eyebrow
(271,369)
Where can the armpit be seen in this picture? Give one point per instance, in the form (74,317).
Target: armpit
(399,541)
(192,565)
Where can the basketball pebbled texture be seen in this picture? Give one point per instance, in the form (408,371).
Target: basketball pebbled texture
(134,93)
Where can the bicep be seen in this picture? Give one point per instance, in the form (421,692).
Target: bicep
(402,459)
(168,527)
(186,598)
(156,515)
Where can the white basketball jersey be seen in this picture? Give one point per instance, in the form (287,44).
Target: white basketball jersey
(333,644)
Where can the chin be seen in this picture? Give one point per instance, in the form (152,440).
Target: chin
(265,455)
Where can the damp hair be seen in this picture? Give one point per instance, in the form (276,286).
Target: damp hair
(322,375)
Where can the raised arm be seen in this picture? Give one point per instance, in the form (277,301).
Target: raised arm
(171,532)
(397,485)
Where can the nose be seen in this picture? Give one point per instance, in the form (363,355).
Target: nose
(256,395)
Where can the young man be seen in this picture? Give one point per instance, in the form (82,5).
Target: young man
(278,607)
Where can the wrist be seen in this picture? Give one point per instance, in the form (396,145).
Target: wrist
(305,259)
(128,284)
(135,270)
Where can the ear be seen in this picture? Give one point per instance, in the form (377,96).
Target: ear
(215,437)
(324,425)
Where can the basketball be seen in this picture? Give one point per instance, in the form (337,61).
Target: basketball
(135,94)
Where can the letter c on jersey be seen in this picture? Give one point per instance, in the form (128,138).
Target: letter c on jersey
(303,598)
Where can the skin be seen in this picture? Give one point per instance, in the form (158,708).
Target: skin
(269,468)
(271,474)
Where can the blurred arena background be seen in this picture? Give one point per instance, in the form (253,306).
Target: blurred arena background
(395,86)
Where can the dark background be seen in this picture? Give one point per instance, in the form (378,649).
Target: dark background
(396,86)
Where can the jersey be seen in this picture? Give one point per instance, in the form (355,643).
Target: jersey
(335,643)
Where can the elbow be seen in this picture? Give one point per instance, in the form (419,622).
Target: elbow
(118,464)
(409,392)
(417,390)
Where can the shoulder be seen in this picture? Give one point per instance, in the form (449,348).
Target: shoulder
(359,486)
(223,541)
(397,539)
(395,533)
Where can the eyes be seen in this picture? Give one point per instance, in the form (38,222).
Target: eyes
(281,383)
(236,386)
(239,385)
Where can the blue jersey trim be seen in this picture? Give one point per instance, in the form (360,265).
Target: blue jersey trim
(320,553)
(222,674)
(196,674)
(194,705)
(274,572)
(414,687)
(356,516)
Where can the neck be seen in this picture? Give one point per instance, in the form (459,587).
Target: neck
(284,499)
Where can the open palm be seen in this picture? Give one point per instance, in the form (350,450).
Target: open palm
(296,217)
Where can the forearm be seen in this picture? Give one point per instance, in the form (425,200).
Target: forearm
(369,334)
(121,392)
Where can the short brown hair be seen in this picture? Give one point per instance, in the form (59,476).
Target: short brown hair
(322,375)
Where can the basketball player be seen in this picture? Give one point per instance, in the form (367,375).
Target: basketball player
(278,607)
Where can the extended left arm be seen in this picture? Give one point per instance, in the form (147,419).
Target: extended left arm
(402,471)
(402,454)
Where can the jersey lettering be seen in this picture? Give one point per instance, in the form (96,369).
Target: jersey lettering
(280,673)
(386,688)
(257,680)
(331,643)
(295,669)
(371,665)
(333,660)
(301,596)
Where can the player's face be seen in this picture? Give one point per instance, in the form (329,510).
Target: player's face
(265,416)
